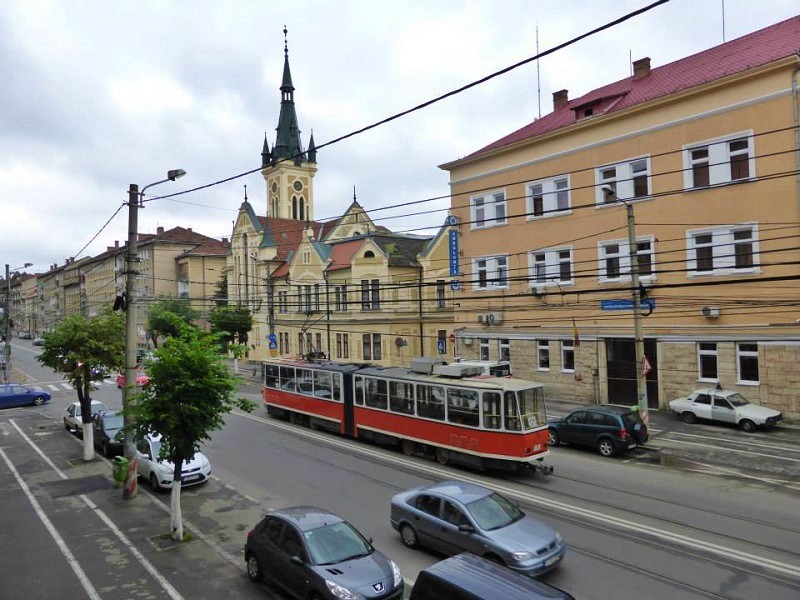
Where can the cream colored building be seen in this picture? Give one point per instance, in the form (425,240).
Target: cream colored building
(705,152)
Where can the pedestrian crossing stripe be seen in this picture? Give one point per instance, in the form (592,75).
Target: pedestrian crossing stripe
(52,387)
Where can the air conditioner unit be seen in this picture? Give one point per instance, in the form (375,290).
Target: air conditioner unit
(482,319)
(538,289)
(494,318)
(712,312)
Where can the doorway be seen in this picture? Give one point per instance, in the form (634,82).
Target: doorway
(621,369)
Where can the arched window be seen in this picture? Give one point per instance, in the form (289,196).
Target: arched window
(302,209)
(369,254)
(294,207)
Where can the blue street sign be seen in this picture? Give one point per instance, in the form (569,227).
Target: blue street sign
(272,338)
(273,345)
(649,304)
(440,346)
(453,248)
(455,285)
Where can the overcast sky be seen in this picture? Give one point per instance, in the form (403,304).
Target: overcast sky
(97,95)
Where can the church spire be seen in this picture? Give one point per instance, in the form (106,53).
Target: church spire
(266,156)
(287,143)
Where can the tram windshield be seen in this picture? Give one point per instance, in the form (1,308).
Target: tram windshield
(531,408)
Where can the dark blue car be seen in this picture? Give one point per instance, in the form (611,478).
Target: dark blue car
(14,394)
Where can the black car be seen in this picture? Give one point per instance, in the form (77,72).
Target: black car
(609,429)
(311,553)
(107,426)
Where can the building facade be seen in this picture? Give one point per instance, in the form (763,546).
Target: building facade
(704,151)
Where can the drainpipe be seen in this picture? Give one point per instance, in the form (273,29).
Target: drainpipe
(796,124)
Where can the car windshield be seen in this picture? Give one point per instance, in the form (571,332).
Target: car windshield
(113,422)
(737,400)
(630,419)
(494,512)
(336,543)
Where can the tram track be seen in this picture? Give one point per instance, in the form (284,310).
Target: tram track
(633,525)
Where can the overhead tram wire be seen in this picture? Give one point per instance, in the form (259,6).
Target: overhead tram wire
(99,231)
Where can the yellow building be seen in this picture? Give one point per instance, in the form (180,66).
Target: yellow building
(103,280)
(346,289)
(200,272)
(704,151)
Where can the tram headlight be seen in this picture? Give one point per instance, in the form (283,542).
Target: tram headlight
(521,556)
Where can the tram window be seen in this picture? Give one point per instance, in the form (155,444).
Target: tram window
(401,397)
(376,396)
(287,378)
(492,410)
(430,401)
(337,386)
(358,384)
(305,383)
(462,407)
(271,375)
(511,414)
(322,384)
(531,406)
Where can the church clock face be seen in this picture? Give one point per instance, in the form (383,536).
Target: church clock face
(298,185)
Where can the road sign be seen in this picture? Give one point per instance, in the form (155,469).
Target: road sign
(440,346)
(455,285)
(453,251)
(621,304)
(272,338)
(273,345)
(646,367)
(452,338)
(452,220)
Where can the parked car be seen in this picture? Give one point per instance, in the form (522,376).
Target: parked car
(608,429)
(141,380)
(470,577)
(24,335)
(108,437)
(309,552)
(72,418)
(38,341)
(14,394)
(160,472)
(454,516)
(725,407)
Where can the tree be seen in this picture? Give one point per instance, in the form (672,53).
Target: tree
(85,350)
(221,293)
(190,391)
(166,316)
(233,322)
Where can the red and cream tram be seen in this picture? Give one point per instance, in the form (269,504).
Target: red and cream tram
(451,412)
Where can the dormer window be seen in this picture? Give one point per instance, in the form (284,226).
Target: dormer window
(588,112)
(369,254)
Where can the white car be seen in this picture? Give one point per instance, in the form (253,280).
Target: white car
(159,472)
(724,406)
(72,418)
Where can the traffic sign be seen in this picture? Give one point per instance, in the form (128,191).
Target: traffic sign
(440,346)
(455,285)
(646,367)
(452,338)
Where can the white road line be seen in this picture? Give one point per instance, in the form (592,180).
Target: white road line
(71,560)
(52,387)
(66,386)
(171,591)
(627,523)
(739,441)
(738,451)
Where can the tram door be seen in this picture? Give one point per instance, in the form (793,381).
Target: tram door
(347,393)
(621,369)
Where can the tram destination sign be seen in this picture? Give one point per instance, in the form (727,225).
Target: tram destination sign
(622,304)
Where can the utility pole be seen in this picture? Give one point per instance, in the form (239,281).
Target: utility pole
(636,297)
(131,273)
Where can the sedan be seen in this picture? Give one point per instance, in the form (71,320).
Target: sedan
(38,341)
(454,516)
(141,380)
(160,473)
(14,394)
(108,436)
(73,417)
(311,553)
(725,407)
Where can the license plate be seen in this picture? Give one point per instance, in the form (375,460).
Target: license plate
(190,478)
(551,561)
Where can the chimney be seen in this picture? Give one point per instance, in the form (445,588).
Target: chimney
(560,99)
(224,241)
(116,243)
(188,229)
(641,68)
(159,230)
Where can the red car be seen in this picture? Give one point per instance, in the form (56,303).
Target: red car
(141,380)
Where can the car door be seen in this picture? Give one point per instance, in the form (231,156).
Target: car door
(294,576)
(265,540)
(5,396)
(426,520)
(573,429)
(701,406)
(144,458)
(453,539)
(722,410)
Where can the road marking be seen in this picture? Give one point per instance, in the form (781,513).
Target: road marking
(626,523)
(687,443)
(739,441)
(52,387)
(66,386)
(171,591)
(62,545)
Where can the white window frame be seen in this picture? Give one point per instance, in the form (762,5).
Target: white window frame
(542,346)
(701,352)
(549,190)
(740,354)
(719,160)
(622,181)
(496,270)
(567,346)
(483,349)
(723,248)
(504,347)
(548,271)
(625,259)
(488,210)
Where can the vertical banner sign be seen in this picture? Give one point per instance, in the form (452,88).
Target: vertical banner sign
(453,252)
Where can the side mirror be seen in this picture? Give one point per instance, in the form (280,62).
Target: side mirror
(296,560)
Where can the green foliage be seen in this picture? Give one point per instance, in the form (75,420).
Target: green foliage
(232,322)
(85,350)
(166,317)
(189,393)
(221,293)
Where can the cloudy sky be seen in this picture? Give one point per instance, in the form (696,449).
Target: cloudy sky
(97,95)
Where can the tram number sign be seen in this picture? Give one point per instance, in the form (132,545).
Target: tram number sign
(463,441)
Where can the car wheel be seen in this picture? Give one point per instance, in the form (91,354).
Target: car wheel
(553,438)
(407,447)
(442,456)
(409,535)
(688,417)
(154,483)
(606,447)
(254,571)
(747,425)
(38,401)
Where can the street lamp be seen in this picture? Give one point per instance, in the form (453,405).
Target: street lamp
(131,259)
(636,297)
(7,319)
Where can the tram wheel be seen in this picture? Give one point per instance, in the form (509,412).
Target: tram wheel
(442,456)
(407,447)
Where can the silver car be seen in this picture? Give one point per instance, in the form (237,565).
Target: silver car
(725,407)
(454,516)
(72,417)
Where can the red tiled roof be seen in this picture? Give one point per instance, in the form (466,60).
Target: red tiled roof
(210,247)
(753,50)
(341,254)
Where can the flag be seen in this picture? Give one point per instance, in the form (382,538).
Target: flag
(575,337)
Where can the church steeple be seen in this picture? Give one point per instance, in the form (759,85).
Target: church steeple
(287,142)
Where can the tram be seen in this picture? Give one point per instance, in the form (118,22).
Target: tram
(451,412)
